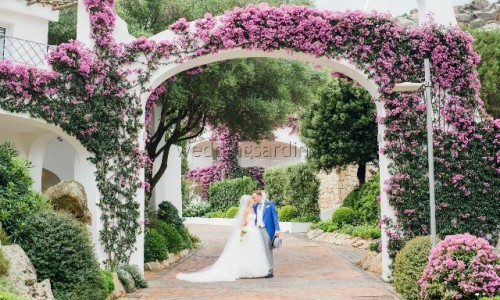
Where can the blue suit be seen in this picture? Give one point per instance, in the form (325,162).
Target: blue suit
(270,217)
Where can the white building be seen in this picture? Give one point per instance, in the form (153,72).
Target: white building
(285,149)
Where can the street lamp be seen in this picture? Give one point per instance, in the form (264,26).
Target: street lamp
(413,87)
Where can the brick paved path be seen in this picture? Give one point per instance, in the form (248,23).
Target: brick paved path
(304,269)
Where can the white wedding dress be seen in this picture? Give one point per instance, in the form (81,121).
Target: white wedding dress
(243,257)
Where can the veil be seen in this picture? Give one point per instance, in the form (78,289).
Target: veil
(226,266)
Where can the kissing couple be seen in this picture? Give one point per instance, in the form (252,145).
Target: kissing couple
(249,250)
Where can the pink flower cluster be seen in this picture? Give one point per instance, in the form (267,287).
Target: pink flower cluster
(461,267)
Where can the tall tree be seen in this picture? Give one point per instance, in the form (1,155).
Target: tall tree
(487,44)
(340,128)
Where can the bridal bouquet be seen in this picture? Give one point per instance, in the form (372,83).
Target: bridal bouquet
(243,232)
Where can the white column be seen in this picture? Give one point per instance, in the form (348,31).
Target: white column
(386,209)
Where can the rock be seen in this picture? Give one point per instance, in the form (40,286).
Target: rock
(119,289)
(406,22)
(70,196)
(478,23)
(366,260)
(465,17)
(491,26)
(376,264)
(490,15)
(361,244)
(480,4)
(129,278)
(22,275)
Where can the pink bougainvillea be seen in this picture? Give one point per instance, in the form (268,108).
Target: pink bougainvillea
(95,95)
(461,267)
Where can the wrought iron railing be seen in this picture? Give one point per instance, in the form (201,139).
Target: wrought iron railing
(23,51)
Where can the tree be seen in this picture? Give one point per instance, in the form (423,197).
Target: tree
(487,44)
(340,128)
(247,96)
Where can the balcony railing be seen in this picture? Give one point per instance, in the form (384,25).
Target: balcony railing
(23,51)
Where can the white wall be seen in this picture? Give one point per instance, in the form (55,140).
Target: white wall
(26,22)
(60,159)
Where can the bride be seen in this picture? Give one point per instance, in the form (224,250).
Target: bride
(244,255)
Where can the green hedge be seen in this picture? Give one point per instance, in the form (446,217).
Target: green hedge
(155,246)
(344,216)
(167,212)
(61,250)
(215,214)
(287,213)
(226,193)
(108,284)
(17,200)
(231,212)
(362,231)
(363,200)
(175,241)
(409,265)
(295,185)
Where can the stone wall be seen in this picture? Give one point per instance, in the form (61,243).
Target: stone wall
(478,13)
(334,187)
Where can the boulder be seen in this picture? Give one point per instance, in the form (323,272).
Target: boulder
(477,23)
(491,26)
(22,275)
(464,17)
(480,4)
(70,196)
(119,289)
(490,15)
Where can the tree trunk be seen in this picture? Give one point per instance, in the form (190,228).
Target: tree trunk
(361,174)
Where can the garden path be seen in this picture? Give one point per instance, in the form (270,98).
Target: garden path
(304,269)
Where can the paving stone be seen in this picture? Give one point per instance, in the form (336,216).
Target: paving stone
(304,269)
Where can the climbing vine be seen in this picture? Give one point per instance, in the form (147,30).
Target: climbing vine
(96,95)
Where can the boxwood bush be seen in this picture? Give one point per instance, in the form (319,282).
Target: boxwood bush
(226,193)
(344,216)
(168,212)
(287,213)
(175,242)
(155,246)
(61,250)
(231,212)
(409,266)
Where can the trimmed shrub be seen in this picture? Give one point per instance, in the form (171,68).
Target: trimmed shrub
(155,246)
(186,237)
(362,231)
(344,216)
(175,242)
(196,209)
(4,264)
(231,212)
(409,265)
(168,212)
(215,214)
(287,213)
(61,250)
(364,201)
(139,280)
(275,184)
(108,285)
(375,246)
(226,193)
(461,267)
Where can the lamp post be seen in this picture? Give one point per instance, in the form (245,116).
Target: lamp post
(413,87)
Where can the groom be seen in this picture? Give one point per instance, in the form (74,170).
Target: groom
(267,221)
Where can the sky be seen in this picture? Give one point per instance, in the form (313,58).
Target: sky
(395,7)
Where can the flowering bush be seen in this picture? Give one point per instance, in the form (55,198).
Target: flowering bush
(94,95)
(461,267)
